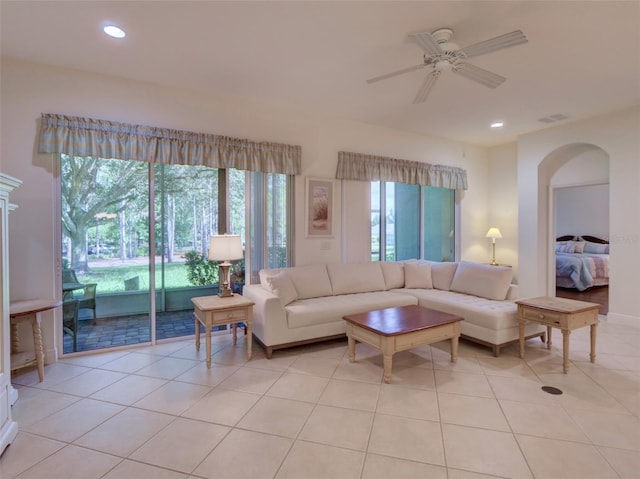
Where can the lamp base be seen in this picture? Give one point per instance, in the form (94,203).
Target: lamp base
(225,293)
(223,286)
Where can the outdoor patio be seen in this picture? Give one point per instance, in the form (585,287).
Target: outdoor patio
(135,329)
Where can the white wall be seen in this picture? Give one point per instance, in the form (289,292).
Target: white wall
(540,155)
(503,203)
(28,90)
(582,210)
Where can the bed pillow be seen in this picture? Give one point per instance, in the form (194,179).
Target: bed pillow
(595,248)
(282,287)
(417,276)
(484,280)
(565,247)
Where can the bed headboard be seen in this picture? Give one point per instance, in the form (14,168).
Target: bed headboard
(566,238)
(592,239)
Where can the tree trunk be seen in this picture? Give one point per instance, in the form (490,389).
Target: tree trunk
(123,234)
(171,225)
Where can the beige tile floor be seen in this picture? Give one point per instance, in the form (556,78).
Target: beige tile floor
(157,412)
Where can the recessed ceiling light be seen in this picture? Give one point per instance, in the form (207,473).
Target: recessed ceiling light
(497,124)
(113,31)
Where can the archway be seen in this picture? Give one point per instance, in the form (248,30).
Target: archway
(572,165)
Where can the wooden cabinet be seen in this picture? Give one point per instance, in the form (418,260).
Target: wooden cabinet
(8,427)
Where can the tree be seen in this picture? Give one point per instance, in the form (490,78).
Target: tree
(90,186)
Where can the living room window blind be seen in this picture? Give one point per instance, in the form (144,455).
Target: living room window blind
(358,166)
(77,136)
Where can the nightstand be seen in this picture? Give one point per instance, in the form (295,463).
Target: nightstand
(564,314)
(215,311)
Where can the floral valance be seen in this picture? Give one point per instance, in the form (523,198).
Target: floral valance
(78,136)
(357,166)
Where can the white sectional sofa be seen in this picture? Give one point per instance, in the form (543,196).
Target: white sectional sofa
(307,303)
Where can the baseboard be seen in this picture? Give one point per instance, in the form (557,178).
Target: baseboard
(624,319)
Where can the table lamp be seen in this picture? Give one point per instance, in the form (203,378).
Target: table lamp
(225,248)
(494,233)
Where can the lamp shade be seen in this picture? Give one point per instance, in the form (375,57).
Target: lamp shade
(225,248)
(494,233)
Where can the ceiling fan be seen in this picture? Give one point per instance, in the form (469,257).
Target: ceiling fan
(442,55)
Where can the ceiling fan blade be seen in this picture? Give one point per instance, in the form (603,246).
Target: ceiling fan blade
(398,72)
(426,42)
(426,87)
(493,44)
(480,75)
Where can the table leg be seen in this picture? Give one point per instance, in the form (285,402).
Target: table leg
(207,332)
(454,349)
(352,348)
(594,330)
(248,331)
(39,347)
(197,333)
(387,357)
(521,336)
(549,329)
(565,350)
(15,338)
(235,333)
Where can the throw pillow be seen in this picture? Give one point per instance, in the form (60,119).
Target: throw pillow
(393,273)
(442,274)
(484,280)
(578,246)
(417,276)
(266,273)
(282,287)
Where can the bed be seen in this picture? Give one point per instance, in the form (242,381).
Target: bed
(582,262)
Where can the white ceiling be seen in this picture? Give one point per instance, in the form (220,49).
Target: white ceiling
(582,58)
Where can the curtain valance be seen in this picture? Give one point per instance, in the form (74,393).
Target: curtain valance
(357,166)
(78,136)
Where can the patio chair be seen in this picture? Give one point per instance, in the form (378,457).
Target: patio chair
(69,276)
(88,300)
(70,320)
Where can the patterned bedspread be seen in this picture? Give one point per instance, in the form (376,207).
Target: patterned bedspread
(582,270)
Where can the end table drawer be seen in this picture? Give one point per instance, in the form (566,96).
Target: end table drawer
(235,315)
(541,316)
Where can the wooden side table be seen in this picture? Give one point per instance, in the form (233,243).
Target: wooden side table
(564,314)
(29,310)
(215,311)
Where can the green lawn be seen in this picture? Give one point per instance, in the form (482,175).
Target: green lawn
(110,279)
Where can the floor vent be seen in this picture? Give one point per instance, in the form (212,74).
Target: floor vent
(551,390)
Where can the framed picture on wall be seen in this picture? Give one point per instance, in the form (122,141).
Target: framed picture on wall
(319,208)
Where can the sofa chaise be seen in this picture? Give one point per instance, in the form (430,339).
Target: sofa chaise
(305,304)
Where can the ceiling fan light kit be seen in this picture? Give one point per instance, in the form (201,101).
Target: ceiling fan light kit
(441,55)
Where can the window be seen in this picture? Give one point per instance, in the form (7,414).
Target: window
(410,221)
(132,228)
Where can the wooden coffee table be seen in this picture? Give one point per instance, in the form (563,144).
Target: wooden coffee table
(398,329)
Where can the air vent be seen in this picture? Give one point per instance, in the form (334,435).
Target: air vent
(553,118)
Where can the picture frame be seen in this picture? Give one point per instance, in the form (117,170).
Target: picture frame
(319,207)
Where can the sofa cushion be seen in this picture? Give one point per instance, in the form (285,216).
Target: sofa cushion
(442,274)
(353,278)
(484,280)
(311,281)
(393,273)
(314,311)
(282,287)
(489,314)
(417,275)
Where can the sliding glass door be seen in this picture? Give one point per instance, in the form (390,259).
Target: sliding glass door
(135,238)
(105,253)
